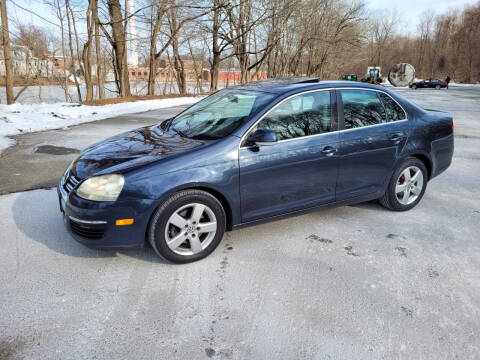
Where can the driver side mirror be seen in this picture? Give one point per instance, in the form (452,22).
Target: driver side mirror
(262,137)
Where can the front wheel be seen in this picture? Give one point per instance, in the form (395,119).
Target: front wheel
(414,87)
(187,227)
(407,185)
(437,87)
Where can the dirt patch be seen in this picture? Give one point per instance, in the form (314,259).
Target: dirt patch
(210,352)
(350,251)
(432,273)
(395,236)
(319,239)
(408,312)
(134,98)
(9,348)
(401,251)
(55,150)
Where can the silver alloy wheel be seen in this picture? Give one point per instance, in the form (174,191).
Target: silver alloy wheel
(409,185)
(191,229)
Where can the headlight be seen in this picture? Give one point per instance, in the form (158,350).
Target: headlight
(102,188)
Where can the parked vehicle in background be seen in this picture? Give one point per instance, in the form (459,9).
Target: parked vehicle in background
(429,83)
(250,154)
(373,75)
(350,77)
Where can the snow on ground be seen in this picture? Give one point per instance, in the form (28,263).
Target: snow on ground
(460,84)
(22,118)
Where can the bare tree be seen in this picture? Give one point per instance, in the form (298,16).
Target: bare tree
(98,51)
(87,51)
(31,36)
(118,42)
(72,53)
(7,54)
(57,9)
(159,11)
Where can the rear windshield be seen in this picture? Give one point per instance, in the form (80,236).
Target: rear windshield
(219,114)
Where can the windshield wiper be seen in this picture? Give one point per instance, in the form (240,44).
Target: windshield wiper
(165,124)
(179,132)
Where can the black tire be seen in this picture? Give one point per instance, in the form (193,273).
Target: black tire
(389,199)
(437,87)
(414,87)
(158,224)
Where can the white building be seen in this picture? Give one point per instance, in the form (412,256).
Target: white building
(132,53)
(25,64)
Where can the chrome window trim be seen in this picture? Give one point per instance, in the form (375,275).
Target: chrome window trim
(374,125)
(331,132)
(91,222)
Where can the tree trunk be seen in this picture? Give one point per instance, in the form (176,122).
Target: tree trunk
(98,52)
(7,55)
(72,54)
(214,68)
(177,60)
(179,69)
(119,45)
(65,79)
(214,72)
(153,49)
(87,53)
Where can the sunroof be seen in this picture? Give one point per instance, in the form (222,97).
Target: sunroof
(281,82)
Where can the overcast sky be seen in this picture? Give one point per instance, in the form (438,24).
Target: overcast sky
(410,10)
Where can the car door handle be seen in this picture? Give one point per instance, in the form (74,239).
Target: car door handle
(396,137)
(328,150)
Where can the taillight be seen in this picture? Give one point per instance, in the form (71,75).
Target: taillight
(452,126)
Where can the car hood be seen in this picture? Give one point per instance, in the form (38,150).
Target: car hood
(131,150)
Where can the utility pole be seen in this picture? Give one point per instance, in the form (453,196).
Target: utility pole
(7,54)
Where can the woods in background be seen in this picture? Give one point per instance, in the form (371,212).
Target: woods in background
(322,38)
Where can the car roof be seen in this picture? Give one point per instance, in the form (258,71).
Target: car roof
(281,86)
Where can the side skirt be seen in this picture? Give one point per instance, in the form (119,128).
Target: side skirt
(351,201)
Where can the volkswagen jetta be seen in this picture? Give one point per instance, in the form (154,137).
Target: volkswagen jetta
(250,154)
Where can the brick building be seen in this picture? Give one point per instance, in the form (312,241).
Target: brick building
(232,75)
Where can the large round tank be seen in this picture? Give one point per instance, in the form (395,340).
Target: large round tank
(401,74)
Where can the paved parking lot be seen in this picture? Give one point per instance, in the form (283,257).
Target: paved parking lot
(355,282)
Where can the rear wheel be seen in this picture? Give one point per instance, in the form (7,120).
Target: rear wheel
(437,87)
(414,86)
(407,185)
(187,227)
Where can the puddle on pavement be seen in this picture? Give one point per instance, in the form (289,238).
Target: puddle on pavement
(55,150)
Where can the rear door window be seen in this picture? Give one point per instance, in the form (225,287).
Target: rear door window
(394,111)
(362,108)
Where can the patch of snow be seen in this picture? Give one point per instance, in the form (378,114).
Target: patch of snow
(23,118)
(461,84)
(386,83)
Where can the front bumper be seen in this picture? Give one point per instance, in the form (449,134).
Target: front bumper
(93,223)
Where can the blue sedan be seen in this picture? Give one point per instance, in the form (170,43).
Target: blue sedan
(251,154)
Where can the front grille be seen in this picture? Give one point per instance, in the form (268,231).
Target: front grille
(89,231)
(70,182)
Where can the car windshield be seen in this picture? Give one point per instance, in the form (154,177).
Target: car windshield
(219,114)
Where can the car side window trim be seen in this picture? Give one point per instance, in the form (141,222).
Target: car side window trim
(341,118)
(333,115)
